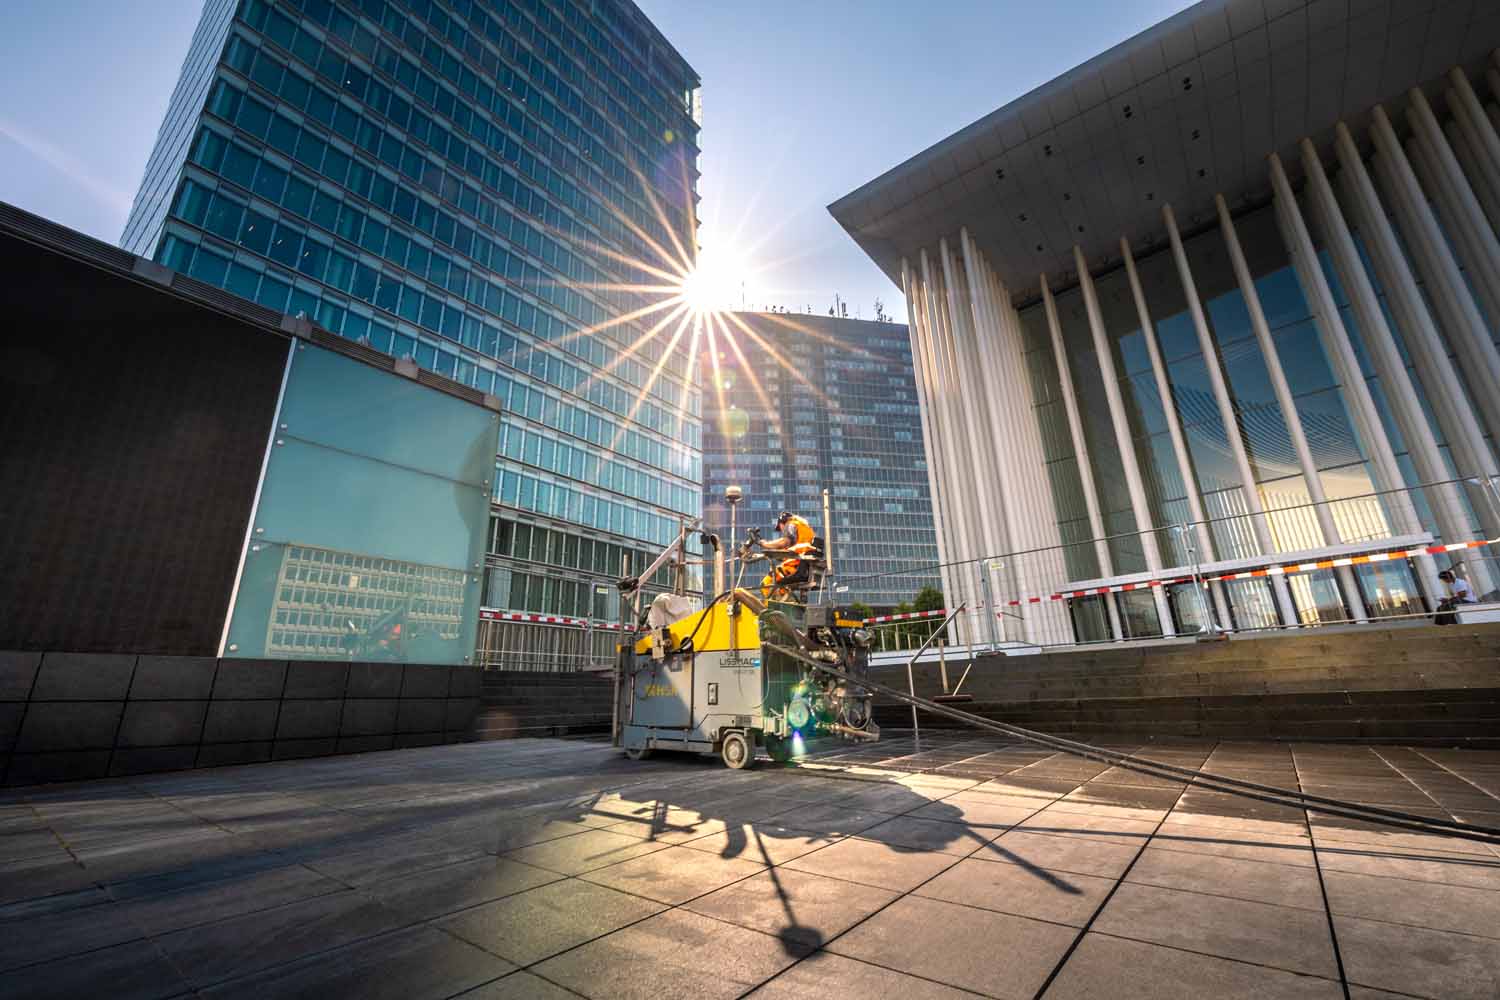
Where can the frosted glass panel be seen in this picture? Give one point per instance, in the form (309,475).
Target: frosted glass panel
(372,520)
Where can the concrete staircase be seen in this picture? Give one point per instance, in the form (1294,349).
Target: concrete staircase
(1413,685)
(524,703)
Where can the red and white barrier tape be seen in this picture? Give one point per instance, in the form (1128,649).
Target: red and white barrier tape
(490,614)
(1272,570)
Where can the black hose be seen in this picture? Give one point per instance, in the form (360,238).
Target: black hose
(1204,779)
(692,638)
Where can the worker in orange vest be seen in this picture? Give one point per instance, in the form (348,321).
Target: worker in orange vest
(796,539)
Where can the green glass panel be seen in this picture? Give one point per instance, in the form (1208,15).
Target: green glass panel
(373,514)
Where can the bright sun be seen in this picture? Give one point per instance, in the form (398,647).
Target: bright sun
(714,284)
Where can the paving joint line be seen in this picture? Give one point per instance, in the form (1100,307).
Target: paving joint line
(1333,933)
(1221,958)
(902,895)
(1468,781)
(367,894)
(1119,881)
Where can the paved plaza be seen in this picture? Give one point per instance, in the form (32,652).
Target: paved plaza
(553,868)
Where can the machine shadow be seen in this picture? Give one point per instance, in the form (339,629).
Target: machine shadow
(782,817)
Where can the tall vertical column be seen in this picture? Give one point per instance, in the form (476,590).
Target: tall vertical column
(1215,367)
(1445,181)
(1205,542)
(1272,358)
(993,528)
(1139,508)
(1337,346)
(1385,357)
(927,410)
(1445,393)
(1080,450)
(1044,565)
(1460,317)
(1472,166)
(960,470)
(1470,120)
(998,401)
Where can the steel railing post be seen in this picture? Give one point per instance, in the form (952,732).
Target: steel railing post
(987,595)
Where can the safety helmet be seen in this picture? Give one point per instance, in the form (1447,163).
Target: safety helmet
(783,517)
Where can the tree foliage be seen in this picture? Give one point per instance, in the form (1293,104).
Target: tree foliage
(928,599)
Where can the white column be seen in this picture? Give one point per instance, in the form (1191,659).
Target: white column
(1470,120)
(928,411)
(989,531)
(1354,390)
(1429,354)
(1465,327)
(1467,225)
(960,468)
(997,402)
(1284,401)
(1044,566)
(1386,359)
(1472,166)
(1080,451)
(1214,365)
(993,529)
(1139,508)
(1205,541)
(956,500)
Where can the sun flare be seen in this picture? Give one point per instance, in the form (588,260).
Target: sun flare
(714,284)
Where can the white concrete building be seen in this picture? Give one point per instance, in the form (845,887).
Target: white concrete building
(1224,297)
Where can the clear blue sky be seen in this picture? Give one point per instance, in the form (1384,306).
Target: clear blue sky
(802,102)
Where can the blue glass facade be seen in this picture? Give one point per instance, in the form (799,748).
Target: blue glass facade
(841,413)
(469,184)
(1339,456)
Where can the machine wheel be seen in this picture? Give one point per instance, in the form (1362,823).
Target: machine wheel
(737,752)
(779,749)
(640,753)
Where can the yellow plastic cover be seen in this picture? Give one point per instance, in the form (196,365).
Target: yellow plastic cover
(714,633)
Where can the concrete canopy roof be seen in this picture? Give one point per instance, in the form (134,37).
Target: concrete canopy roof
(1187,109)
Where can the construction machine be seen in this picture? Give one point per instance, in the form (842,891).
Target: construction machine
(735,675)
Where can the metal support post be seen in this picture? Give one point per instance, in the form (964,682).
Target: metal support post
(734,538)
(626,637)
(1210,619)
(911,686)
(910,682)
(943,664)
(989,603)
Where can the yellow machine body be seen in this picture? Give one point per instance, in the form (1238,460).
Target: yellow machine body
(714,629)
(719,681)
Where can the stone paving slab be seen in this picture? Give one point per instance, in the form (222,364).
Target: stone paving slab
(959,865)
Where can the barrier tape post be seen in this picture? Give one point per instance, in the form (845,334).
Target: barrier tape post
(1205,605)
(984,588)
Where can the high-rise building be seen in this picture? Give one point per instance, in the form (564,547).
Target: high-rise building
(812,403)
(1222,302)
(476,185)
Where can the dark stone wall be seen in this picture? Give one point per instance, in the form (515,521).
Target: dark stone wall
(1419,685)
(66,716)
(132,427)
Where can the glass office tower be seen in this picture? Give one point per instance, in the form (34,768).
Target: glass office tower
(840,413)
(468,184)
